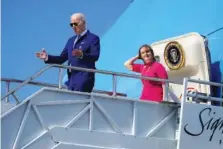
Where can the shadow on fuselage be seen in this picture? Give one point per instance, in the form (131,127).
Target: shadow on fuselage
(216,77)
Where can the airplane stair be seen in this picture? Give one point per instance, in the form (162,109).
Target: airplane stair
(60,119)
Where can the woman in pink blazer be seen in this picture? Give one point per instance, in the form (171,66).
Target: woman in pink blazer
(152,90)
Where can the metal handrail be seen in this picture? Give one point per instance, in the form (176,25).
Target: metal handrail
(10,80)
(87,70)
(207,97)
(114,74)
(206,82)
(26,81)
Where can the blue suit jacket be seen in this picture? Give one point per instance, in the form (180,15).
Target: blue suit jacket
(78,80)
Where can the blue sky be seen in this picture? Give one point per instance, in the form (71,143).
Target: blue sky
(28,26)
(123,25)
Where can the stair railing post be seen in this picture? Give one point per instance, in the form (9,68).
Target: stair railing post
(60,78)
(7,90)
(114,82)
(166,91)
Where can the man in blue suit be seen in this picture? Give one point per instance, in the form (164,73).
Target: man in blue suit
(81,50)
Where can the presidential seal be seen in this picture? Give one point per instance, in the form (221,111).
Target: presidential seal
(174,55)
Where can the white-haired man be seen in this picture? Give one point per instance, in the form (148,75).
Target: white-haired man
(81,50)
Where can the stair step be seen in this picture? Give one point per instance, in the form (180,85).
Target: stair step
(78,146)
(109,140)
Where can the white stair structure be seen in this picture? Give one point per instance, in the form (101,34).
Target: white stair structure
(55,118)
